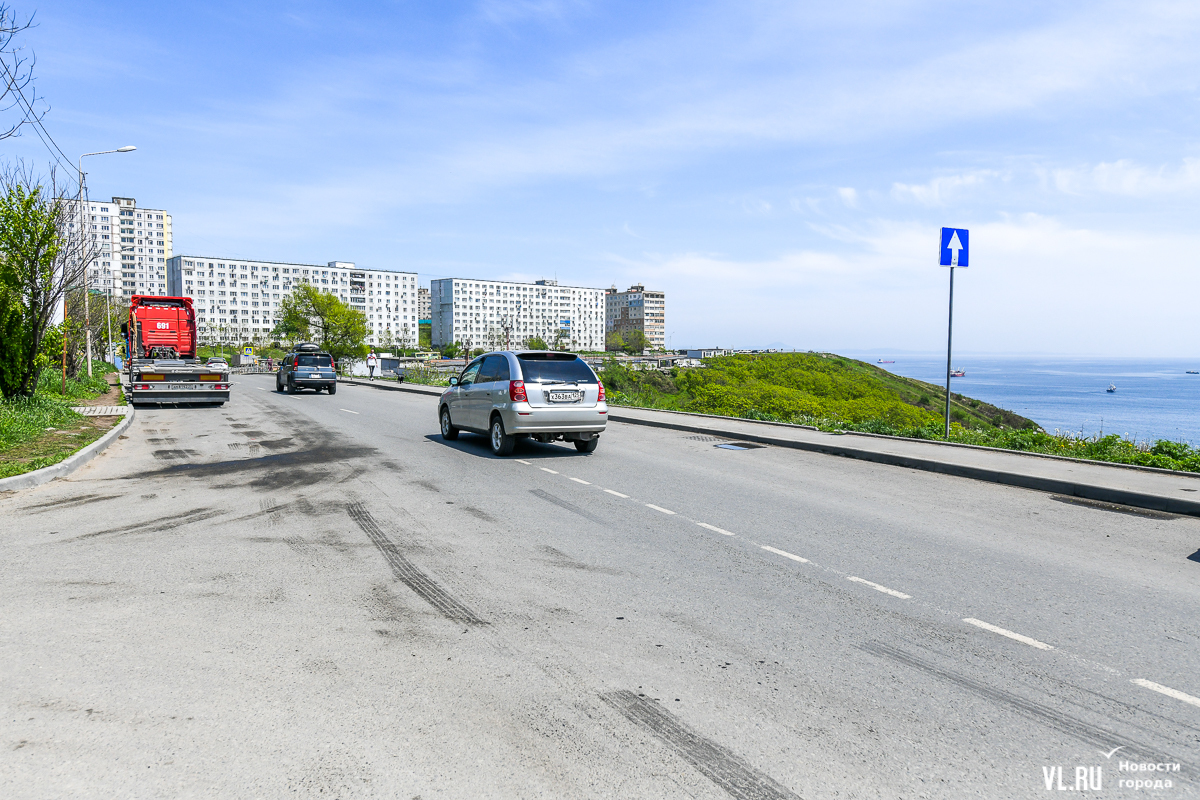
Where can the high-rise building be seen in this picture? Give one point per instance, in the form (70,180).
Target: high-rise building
(423,303)
(132,246)
(493,314)
(239,299)
(637,310)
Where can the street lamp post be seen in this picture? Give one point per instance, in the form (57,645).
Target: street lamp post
(86,283)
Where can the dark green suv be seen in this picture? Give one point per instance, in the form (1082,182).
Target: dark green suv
(306,368)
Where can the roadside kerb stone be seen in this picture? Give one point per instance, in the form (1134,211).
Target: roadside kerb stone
(68,464)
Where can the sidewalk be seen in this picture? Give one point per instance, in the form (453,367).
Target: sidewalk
(1141,487)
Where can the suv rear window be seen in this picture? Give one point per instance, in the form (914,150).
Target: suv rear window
(542,368)
(306,360)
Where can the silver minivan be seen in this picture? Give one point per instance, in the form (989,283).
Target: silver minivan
(536,394)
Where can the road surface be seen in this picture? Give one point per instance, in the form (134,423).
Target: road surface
(312,595)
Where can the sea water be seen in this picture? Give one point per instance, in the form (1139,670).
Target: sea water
(1154,398)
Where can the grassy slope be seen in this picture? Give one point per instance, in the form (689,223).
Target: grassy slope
(43,430)
(836,393)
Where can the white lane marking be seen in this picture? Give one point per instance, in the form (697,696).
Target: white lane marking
(1168,691)
(1009,634)
(348,411)
(618,494)
(585,483)
(715,528)
(260,388)
(659,508)
(785,554)
(552,472)
(879,588)
(526,463)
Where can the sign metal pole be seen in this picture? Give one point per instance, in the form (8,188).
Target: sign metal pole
(949,341)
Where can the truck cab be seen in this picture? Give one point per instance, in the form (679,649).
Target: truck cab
(161,339)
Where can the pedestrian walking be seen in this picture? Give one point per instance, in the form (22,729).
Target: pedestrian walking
(372,362)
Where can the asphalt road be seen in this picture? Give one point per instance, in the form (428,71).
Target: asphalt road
(313,595)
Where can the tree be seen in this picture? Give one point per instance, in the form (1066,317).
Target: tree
(614,341)
(41,256)
(635,342)
(309,314)
(536,343)
(451,350)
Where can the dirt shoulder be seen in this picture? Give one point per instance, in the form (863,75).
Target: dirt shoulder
(113,397)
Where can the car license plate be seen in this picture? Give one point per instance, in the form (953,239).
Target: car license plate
(183,386)
(565,397)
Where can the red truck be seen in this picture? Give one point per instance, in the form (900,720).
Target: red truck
(160,338)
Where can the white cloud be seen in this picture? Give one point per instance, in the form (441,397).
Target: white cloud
(849,196)
(940,190)
(1129,179)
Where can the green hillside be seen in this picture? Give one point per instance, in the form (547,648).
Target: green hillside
(806,388)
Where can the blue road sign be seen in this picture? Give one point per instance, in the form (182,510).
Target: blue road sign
(955,250)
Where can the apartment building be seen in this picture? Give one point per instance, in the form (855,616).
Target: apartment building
(132,246)
(494,314)
(637,310)
(239,299)
(423,303)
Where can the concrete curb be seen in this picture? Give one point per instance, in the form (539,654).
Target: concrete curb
(68,464)
(1102,494)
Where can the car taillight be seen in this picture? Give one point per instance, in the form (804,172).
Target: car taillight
(516,392)
(295,363)
(600,399)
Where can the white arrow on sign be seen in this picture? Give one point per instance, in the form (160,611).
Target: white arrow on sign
(954,246)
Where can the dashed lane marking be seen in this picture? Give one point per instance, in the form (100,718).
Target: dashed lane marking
(618,494)
(785,554)
(715,528)
(577,480)
(879,588)
(1168,691)
(659,508)
(545,469)
(526,463)
(348,411)
(1003,632)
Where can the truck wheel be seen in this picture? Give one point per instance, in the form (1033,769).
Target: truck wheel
(502,443)
(332,388)
(588,446)
(449,432)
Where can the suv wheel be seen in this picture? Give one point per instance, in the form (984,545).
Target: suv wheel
(449,432)
(502,443)
(588,445)
(332,388)
(289,387)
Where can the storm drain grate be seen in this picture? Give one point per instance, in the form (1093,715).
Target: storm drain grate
(706,438)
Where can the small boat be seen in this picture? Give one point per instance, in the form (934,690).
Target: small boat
(1112,387)
(881,361)
(958,373)
(1193,372)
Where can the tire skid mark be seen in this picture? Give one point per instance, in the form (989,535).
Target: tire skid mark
(1065,723)
(408,573)
(81,500)
(720,765)
(155,525)
(574,509)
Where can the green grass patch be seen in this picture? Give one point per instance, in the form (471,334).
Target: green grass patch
(833,393)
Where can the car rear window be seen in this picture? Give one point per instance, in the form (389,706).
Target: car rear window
(313,360)
(543,368)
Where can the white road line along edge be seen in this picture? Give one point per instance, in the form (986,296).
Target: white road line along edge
(1167,690)
(348,411)
(660,508)
(578,480)
(715,529)
(879,588)
(1003,632)
(618,494)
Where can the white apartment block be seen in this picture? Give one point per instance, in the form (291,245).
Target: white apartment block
(132,246)
(639,310)
(423,300)
(239,299)
(495,314)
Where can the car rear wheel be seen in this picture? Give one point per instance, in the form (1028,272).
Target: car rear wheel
(587,446)
(502,443)
(289,388)
(332,388)
(449,432)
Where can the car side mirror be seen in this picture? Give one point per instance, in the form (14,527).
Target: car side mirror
(454,380)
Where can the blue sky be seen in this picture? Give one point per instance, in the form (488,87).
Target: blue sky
(781,170)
